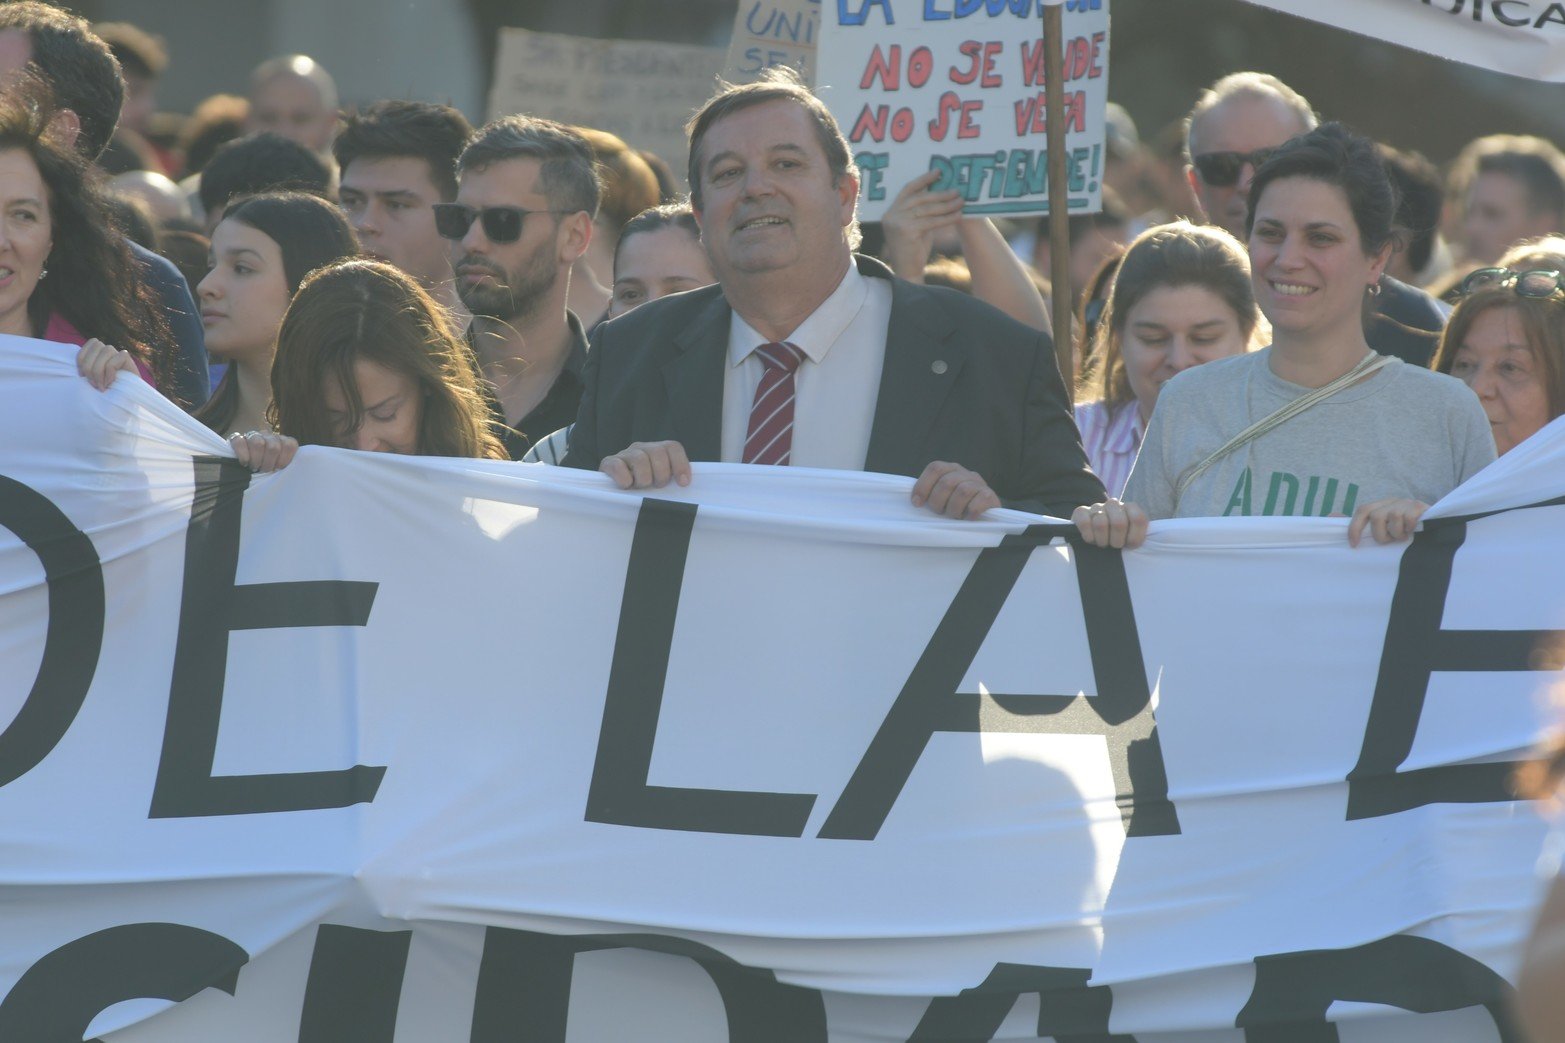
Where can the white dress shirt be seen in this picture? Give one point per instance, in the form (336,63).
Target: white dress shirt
(837,384)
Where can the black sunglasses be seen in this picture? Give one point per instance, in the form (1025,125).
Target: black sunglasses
(1221,169)
(1539,282)
(502,224)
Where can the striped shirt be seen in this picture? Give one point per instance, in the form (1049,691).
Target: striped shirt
(1111,435)
(550,449)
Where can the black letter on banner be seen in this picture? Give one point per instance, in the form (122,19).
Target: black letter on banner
(74,633)
(1498,11)
(1069,1009)
(619,794)
(355,985)
(1293,990)
(524,989)
(1554,13)
(57,997)
(1415,648)
(929,701)
(213,605)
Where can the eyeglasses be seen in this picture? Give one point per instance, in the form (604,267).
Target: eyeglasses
(502,224)
(1538,282)
(1221,169)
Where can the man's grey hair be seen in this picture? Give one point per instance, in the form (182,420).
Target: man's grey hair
(567,170)
(1248,85)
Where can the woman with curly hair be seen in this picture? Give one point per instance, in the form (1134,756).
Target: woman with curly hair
(66,275)
(367,360)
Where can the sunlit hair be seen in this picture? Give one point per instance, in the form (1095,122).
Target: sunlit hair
(1166,256)
(92,279)
(629,184)
(1247,85)
(1544,252)
(371,311)
(1543,325)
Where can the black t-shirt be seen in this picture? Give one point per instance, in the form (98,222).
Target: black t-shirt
(558,408)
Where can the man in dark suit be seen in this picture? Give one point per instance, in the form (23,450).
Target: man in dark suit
(803,355)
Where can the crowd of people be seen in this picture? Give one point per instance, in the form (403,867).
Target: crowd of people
(1329,289)
(1276,316)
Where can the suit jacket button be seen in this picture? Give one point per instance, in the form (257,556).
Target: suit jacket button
(937,367)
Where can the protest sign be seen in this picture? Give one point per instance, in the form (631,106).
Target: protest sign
(957,86)
(778,756)
(1518,37)
(769,33)
(640,90)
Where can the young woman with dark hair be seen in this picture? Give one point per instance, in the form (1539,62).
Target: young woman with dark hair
(261,252)
(367,360)
(1315,424)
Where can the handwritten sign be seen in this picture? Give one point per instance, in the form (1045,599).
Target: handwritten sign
(640,90)
(768,33)
(957,86)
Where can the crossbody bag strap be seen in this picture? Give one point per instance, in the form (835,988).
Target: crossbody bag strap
(1367,365)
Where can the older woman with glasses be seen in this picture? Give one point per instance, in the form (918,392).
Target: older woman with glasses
(1506,341)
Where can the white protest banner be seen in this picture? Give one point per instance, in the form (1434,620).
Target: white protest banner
(1519,37)
(957,86)
(769,33)
(640,90)
(402,750)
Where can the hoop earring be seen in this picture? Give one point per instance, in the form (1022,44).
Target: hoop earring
(1374,289)
(43,273)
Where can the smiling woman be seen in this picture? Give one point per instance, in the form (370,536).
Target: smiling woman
(1316,424)
(65,275)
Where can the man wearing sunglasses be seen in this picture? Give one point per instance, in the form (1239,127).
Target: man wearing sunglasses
(527,191)
(805,355)
(1234,127)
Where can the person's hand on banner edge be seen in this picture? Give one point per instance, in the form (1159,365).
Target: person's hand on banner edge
(1112,524)
(262,451)
(1388,521)
(913,219)
(100,363)
(953,491)
(648,465)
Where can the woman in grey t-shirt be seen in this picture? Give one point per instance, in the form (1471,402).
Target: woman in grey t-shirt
(1388,439)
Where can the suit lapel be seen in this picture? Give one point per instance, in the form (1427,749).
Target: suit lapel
(923,359)
(694,380)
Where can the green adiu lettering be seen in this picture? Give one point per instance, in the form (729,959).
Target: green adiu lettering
(1282,496)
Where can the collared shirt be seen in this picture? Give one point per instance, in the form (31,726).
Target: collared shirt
(1111,435)
(556,410)
(836,385)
